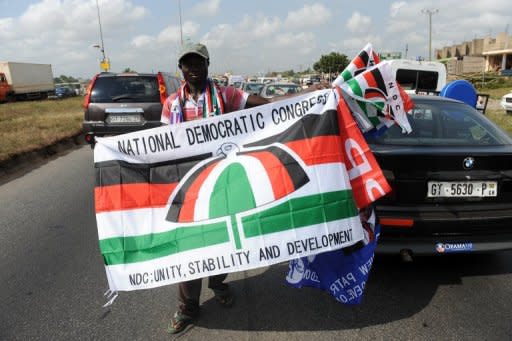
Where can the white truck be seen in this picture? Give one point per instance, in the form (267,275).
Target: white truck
(25,81)
(419,76)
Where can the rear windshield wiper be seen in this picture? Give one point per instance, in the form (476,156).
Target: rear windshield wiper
(120,97)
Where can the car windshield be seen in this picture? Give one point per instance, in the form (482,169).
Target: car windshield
(281,89)
(436,123)
(125,89)
(253,87)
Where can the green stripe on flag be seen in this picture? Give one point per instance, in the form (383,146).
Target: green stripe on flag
(232,193)
(125,250)
(354,86)
(301,212)
(374,120)
(356,90)
(346,74)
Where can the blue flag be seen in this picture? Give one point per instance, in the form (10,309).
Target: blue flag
(343,273)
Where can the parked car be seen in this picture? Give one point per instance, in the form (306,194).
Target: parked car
(252,88)
(451,180)
(279,89)
(117,103)
(506,102)
(63,92)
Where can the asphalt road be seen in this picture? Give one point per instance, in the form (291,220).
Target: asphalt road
(52,282)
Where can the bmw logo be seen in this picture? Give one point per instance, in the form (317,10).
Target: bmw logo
(468,163)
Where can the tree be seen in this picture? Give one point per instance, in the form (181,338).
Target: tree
(331,63)
(129,70)
(288,73)
(65,79)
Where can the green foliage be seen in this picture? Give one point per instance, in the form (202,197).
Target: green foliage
(128,70)
(65,79)
(331,63)
(288,73)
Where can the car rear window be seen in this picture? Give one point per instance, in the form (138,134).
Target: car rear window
(281,89)
(417,79)
(444,123)
(125,89)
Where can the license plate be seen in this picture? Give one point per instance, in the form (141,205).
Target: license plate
(124,119)
(458,189)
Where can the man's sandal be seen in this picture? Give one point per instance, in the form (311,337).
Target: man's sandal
(224,297)
(179,322)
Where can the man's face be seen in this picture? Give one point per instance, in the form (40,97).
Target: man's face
(194,68)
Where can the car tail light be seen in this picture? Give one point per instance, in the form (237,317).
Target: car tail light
(87,98)
(396,222)
(89,138)
(161,88)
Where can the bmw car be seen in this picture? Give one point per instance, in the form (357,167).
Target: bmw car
(451,180)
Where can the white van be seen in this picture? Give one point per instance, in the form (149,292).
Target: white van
(415,76)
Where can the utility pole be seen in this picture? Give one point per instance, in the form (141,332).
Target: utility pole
(105,63)
(430,12)
(181,28)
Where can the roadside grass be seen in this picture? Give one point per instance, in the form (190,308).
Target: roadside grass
(502,119)
(31,125)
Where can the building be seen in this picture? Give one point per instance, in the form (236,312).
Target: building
(477,55)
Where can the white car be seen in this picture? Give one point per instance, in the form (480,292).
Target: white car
(506,102)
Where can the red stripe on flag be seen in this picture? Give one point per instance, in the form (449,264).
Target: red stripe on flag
(366,177)
(370,79)
(376,58)
(408,103)
(132,196)
(318,150)
(281,181)
(359,63)
(189,203)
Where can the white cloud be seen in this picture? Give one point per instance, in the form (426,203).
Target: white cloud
(172,34)
(62,32)
(353,45)
(206,8)
(395,7)
(143,41)
(359,23)
(308,16)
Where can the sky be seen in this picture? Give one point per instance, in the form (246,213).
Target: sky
(243,37)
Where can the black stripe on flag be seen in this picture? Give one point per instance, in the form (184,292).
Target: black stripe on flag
(116,172)
(379,80)
(307,127)
(177,201)
(364,58)
(293,168)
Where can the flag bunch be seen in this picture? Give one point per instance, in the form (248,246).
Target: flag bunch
(371,91)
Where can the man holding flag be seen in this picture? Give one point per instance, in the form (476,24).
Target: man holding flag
(240,191)
(199,97)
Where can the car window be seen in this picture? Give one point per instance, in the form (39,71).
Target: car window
(125,89)
(417,79)
(254,87)
(444,123)
(281,89)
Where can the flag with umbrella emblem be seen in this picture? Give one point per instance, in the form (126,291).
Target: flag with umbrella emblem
(233,192)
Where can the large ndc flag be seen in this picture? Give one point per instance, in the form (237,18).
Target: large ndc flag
(234,192)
